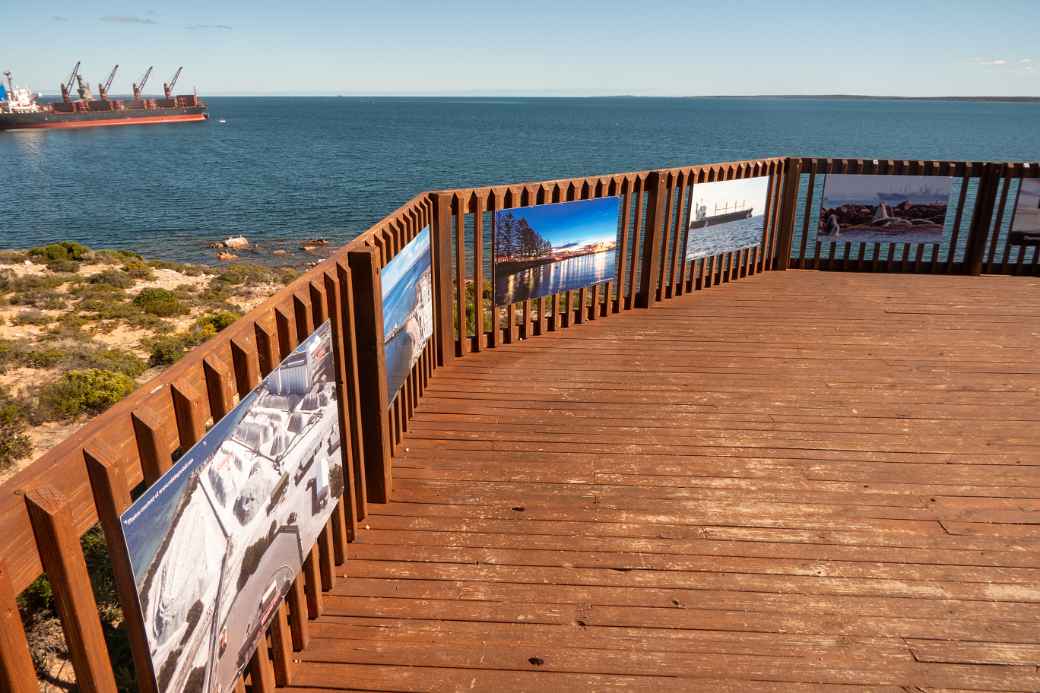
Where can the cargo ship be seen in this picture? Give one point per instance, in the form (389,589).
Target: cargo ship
(21,109)
(702,219)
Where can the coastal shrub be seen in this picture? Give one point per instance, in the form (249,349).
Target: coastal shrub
(181,267)
(87,391)
(111,256)
(32,317)
(60,257)
(217,320)
(115,278)
(38,291)
(14,443)
(7,353)
(138,269)
(167,349)
(6,276)
(107,359)
(160,302)
(41,357)
(249,273)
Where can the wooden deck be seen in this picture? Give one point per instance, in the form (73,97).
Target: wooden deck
(801,481)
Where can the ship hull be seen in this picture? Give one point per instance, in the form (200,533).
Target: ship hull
(720,219)
(95,119)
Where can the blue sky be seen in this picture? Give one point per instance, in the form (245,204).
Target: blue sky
(397,47)
(579,223)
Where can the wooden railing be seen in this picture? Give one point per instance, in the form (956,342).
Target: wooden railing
(88,478)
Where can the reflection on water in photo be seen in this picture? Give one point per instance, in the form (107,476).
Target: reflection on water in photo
(551,278)
(733,235)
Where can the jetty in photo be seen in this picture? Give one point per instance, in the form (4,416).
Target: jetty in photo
(812,463)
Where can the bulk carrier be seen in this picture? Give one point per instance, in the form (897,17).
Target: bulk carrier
(21,109)
(701,218)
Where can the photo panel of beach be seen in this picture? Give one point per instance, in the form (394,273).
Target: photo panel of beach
(215,544)
(407,309)
(545,249)
(884,209)
(1025,227)
(726,216)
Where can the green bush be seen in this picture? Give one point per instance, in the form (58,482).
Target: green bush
(189,270)
(159,302)
(217,320)
(12,257)
(167,349)
(14,443)
(60,257)
(87,391)
(112,278)
(115,257)
(138,269)
(32,317)
(43,357)
(106,359)
(38,291)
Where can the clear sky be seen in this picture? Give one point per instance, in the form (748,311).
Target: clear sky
(573,223)
(684,47)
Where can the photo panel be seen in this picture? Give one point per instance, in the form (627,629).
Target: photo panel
(1025,227)
(883,209)
(545,249)
(726,216)
(215,544)
(407,309)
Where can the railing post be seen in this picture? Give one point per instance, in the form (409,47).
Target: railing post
(981,219)
(16,668)
(655,216)
(440,247)
(368,316)
(788,212)
(63,562)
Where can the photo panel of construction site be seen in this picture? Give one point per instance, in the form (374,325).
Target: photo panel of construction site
(215,544)
(883,208)
(545,249)
(726,216)
(407,283)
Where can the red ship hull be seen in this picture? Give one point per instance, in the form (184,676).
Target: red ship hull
(108,122)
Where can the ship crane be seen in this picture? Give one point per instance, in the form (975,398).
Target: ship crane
(139,85)
(83,88)
(168,86)
(10,83)
(103,88)
(66,86)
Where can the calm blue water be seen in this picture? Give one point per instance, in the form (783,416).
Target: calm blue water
(724,237)
(291,169)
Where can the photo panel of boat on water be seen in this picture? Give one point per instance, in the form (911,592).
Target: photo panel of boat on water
(1025,227)
(884,209)
(726,216)
(545,249)
(215,544)
(407,309)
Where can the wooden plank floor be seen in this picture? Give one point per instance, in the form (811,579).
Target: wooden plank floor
(799,481)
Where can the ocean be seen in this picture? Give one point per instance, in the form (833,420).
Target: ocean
(281,171)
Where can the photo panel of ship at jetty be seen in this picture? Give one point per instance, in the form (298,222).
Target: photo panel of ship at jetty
(547,249)
(1025,226)
(886,209)
(260,487)
(726,216)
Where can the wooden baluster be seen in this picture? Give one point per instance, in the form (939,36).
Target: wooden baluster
(151,433)
(112,498)
(346,529)
(62,558)
(788,211)
(281,648)
(188,411)
(261,673)
(440,246)
(17,673)
(651,250)
(219,386)
(350,364)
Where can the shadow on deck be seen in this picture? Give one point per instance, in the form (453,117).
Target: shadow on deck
(803,480)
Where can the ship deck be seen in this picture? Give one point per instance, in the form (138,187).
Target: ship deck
(716,494)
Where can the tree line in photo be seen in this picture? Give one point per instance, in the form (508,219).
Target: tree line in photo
(515,239)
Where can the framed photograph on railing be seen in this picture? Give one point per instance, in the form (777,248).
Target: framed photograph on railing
(726,216)
(407,282)
(1025,226)
(545,249)
(883,208)
(216,542)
